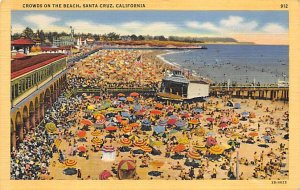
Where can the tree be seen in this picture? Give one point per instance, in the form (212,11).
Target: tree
(28,32)
(42,36)
(140,37)
(134,37)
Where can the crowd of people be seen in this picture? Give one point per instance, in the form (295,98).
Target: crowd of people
(209,139)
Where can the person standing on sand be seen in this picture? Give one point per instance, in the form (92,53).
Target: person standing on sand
(78,173)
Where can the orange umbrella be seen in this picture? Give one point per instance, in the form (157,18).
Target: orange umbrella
(127,129)
(159,106)
(70,162)
(125,141)
(134,94)
(194,155)
(82,149)
(194,121)
(140,143)
(111,128)
(121,94)
(155,112)
(179,148)
(253,134)
(129,99)
(86,122)
(81,134)
(146,148)
(134,125)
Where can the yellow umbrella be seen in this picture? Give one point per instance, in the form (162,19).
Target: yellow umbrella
(91,107)
(183,140)
(219,106)
(217,149)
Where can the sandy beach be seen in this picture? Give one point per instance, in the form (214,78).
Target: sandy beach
(91,135)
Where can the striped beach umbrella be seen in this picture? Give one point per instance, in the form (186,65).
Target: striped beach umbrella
(146,148)
(140,143)
(127,129)
(96,133)
(70,162)
(194,155)
(108,148)
(97,141)
(217,149)
(125,141)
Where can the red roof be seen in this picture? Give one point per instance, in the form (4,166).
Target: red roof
(22,41)
(30,63)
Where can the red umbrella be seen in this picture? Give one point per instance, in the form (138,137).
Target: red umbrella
(121,94)
(210,119)
(198,116)
(86,122)
(211,141)
(186,115)
(82,149)
(171,121)
(134,94)
(81,134)
(97,97)
(155,112)
(111,128)
(179,148)
(223,125)
(105,175)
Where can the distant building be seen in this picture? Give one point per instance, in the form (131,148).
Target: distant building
(23,44)
(177,86)
(64,41)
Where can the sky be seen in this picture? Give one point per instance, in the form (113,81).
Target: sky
(261,27)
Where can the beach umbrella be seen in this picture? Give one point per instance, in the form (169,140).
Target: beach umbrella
(162,122)
(124,122)
(134,125)
(134,94)
(183,140)
(159,129)
(100,122)
(252,115)
(50,127)
(245,114)
(173,117)
(81,134)
(146,122)
(137,107)
(97,141)
(253,134)
(125,114)
(127,129)
(219,106)
(210,119)
(81,149)
(91,107)
(194,155)
(197,110)
(108,148)
(122,98)
(121,94)
(146,148)
(171,121)
(159,106)
(237,106)
(224,119)
(111,128)
(129,99)
(70,162)
(216,149)
(173,131)
(210,141)
(155,112)
(266,137)
(194,121)
(198,116)
(223,125)
(86,122)
(157,143)
(105,175)
(199,147)
(235,120)
(97,97)
(140,143)
(185,115)
(179,148)
(125,141)
(180,123)
(126,165)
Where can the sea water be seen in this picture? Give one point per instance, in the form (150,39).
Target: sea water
(242,64)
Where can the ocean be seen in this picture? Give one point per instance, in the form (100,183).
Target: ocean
(242,64)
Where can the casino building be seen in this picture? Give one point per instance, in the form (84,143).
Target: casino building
(36,82)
